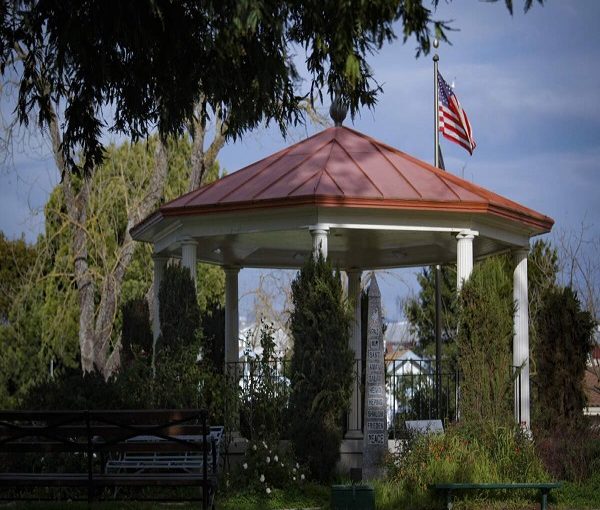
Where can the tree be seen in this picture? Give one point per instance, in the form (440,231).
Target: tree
(17,259)
(321,366)
(484,342)
(179,310)
(159,63)
(420,311)
(45,314)
(565,332)
(173,65)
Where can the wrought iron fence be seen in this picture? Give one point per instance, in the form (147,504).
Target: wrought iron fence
(263,390)
(412,392)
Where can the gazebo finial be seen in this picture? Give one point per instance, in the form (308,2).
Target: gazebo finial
(338,110)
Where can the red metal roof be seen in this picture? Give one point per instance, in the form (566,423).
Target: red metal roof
(342,167)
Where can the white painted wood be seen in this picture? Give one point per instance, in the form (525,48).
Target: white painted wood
(464,257)
(232,332)
(188,255)
(159,271)
(319,234)
(521,338)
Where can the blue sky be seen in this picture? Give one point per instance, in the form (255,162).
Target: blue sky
(529,83)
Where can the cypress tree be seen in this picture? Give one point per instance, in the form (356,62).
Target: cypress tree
(484,342)
(179,311)
(565,340)
(321,366)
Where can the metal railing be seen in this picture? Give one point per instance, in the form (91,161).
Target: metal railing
(262,387)
(412,392)
(410,387)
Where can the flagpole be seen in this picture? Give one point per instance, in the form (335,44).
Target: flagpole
(438,269)
(436,109)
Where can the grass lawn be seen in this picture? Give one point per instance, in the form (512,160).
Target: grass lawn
(570,497)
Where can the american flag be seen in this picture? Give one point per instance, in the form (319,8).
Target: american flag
(453,121)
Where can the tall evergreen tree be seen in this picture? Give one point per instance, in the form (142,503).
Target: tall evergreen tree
(484,342)
(179,311)
(321,366)
(565,334)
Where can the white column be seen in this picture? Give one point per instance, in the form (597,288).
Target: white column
(464,257)
(232,334)
(355,416)
(521,338)
(159,272)
(319,235)
(188,255)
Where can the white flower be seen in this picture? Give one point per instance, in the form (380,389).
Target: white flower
(268,460)
(297,465)
(282,464)
(264,444)
(245,465)
(293,470)
(294,478)
(276,458)
(254,447)
(262,478)
(301,477)
(268,490)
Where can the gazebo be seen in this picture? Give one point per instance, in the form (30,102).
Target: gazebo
(364,205)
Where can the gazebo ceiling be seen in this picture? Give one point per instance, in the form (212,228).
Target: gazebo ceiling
(383,207)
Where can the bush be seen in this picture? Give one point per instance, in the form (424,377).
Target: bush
(267,466)
(565,340)
(213,330)
(321,367)
(265,393)
(136,330)
(73,390)
(571,453)
(463,454)
(484,341)
(179,311)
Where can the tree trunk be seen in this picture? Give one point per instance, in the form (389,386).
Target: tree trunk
(96,325)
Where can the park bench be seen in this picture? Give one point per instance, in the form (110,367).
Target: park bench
(105,438)
(448,489)
(163,458)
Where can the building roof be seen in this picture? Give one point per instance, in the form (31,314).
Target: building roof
(592,387)
(381,207)
(340,167)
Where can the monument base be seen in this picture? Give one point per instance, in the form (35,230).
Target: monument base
(351,454)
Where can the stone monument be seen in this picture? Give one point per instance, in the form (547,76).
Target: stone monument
(375,436)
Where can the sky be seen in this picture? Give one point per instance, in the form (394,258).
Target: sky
(530,84)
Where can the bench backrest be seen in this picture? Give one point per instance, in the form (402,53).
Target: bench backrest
(107,431)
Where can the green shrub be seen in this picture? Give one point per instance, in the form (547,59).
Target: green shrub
(321,367)
(570,453)
(267,466)
(265,394)
(463,454)
(136,330)
(484,341)
(565,340)
(213,330)
(179,311)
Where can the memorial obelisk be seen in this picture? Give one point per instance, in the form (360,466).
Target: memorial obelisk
(375,436)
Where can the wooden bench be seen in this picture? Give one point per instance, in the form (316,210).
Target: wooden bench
(99,435)
(448,489)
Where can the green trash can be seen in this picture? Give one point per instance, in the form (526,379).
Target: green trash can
(352,497)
